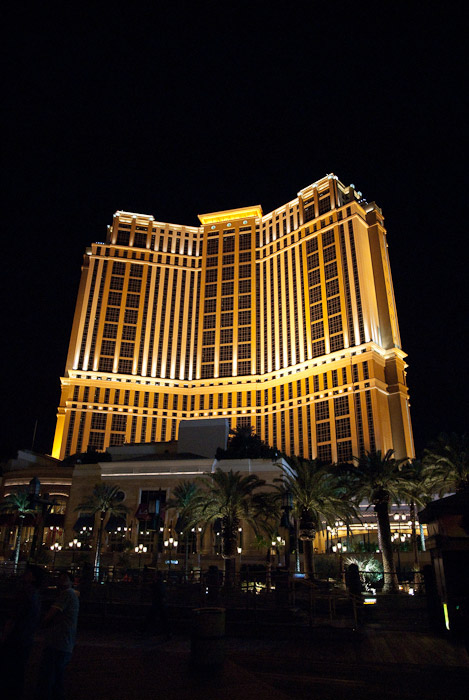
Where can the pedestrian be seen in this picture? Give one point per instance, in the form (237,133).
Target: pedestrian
(18,633)
(61,628)
(354,587)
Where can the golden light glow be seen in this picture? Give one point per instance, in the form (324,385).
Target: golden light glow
(217,217)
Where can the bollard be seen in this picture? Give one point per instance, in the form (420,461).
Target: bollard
(208,637)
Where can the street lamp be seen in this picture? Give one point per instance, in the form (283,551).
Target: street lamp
(56,547)
(74,545)
(170,543)
(140,550)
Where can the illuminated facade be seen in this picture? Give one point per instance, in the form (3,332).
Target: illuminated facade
(284,321)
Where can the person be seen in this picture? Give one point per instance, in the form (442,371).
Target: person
(354,587)
(18,634)
(61,628)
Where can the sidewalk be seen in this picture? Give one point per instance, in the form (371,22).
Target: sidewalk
(332,663)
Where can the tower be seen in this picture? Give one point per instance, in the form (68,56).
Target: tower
(285,321)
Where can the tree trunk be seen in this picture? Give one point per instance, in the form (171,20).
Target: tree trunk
(391,584)
(186,556)
(97,558)
(18,543)
(414,535)
(308,553)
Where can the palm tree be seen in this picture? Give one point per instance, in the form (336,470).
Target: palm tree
(19,503)
(244,443)
(233,498)
(104,500)
(446,463)
(378,479)
(318,496)
(186,501)
(418,488)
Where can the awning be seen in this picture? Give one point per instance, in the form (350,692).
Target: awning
(114,522)
(84,521)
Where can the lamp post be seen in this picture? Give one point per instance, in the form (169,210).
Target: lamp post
(170,543)
(74,545)
(56,547)
(140,550)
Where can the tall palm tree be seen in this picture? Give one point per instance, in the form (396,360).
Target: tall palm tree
(105,500)
(446,462)
(18,503)
(318,496)
(233,498)
(419,489)
(187,502)
(378,479)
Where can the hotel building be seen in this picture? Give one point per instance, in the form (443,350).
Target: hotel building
(285,322)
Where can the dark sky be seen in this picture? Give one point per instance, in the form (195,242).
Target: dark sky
(211,105)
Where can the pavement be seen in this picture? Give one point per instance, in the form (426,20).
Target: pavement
(324,661)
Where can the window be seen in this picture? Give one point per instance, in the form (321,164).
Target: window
(118,422)
(323,432)
(244,350)
(342,428)
(130,316)
(114,299)
(132,301)
(330,270)
(327,238)
(344,451)
(227,273)
(136,270)
(316,312)
(341,407)
(110,330)
(134,285)
(108,347)
(98,421)
(127,349)
(333,306)
(321,410)
(227,319)
(228,244)
(227,288)
(96,440)
(210,321)
(209,338)
(129,332)
(335,324)
(116,283)
(317,330)
(226,335)
(212,246)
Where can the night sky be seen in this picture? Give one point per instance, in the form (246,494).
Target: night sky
(204,106)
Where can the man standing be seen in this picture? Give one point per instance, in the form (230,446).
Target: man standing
(61,629)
